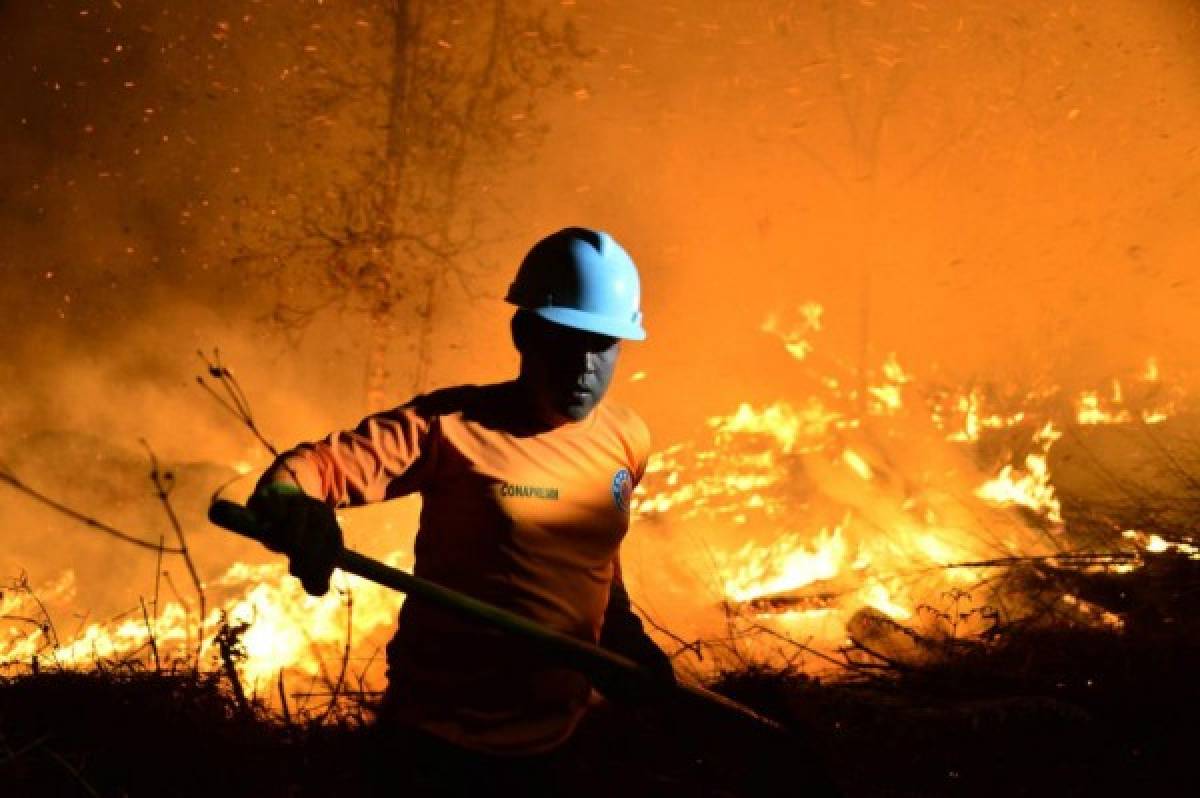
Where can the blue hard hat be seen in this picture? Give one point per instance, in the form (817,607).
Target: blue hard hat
(583,279)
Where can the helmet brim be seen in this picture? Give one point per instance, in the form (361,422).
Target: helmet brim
(592,322)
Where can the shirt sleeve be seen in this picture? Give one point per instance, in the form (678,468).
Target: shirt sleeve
(387,455)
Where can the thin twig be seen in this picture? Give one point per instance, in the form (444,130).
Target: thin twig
(694,646)
(100,526)
(1172,461)
(14,754)
(22,584)
(187,610)
(158,572)
(67,766)
(229,644)
(842,663)
(330,693)
(235,400)
(150,630)
(163,484)
(345,656)
(24,619)
(1000,562)
(283,701)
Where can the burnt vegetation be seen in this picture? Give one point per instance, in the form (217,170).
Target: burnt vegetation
(1056,702)
(1042,709)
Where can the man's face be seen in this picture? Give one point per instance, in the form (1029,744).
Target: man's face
(568,370)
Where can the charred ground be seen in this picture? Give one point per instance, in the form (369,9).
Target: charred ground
(1044,708)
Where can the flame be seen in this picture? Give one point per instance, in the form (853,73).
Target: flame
(1029,487)
(786,564)
(801,518)
(795,336)
(1090,409)
(1156,544)
(780,421)
(1150,372)
(857,463)
(886,397)
(905,544)
(284,628)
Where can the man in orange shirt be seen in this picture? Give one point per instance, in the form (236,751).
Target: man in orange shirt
(525,490)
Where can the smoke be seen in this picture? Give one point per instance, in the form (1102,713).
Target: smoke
(998,194)
(1002,193)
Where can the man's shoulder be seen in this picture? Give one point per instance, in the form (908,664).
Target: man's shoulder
(468,402)
(628,424)
(622,416)
(454,399)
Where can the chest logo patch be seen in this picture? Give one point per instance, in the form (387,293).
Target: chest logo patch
(510,490)
(622,489)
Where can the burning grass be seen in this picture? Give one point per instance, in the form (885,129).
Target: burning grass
(983,591)
(1043,708)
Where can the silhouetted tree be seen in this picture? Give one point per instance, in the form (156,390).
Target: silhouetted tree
(426,104)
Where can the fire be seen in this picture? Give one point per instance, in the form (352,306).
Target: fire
(1090,410)
(795,333)
(856,463)
(1112,407)
(1028,487)
(808,520)
(787,564)
(1156,544)
(284,628)
(781,421)
(867,499)
(289,629)
(1150,373)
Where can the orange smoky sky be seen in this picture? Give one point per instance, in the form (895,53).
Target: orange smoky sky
(992,191)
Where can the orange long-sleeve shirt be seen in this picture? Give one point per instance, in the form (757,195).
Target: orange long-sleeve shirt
(528,520)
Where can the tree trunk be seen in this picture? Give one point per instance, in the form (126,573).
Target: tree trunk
(380,325)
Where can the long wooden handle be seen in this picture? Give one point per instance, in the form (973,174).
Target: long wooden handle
(602,665)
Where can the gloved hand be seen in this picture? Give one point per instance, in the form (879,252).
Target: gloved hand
(303,528)
(623,633)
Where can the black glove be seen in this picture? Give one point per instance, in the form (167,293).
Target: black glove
(303,528)
(623,633)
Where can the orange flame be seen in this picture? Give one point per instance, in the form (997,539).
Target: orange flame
(799,515)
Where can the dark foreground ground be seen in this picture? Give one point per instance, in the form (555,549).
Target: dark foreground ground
(152,734)
(1056,710)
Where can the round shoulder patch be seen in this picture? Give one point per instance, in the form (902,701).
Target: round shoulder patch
(622,489)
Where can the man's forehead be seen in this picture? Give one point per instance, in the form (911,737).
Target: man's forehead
(560,335)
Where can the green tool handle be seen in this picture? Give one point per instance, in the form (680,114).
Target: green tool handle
(603,666)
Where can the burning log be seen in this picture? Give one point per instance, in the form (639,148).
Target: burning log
(896,645)
(789,601)
(820,594)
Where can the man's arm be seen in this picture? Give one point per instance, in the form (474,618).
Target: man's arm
(386,455)
(622,630)
(623,633)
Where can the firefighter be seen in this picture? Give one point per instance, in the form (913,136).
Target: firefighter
(525,489)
